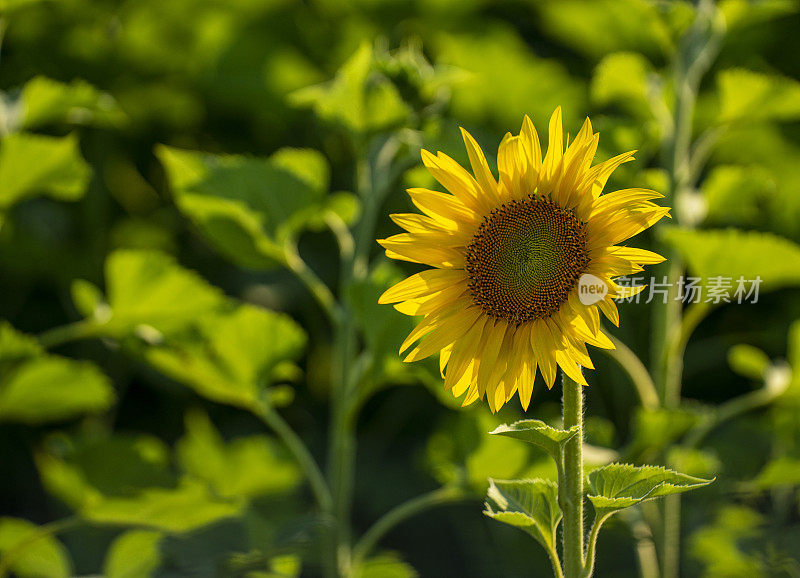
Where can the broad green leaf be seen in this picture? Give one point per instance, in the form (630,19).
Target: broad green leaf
(656,429)
(490,94)
(134,554)
(82,471)
(87,298)
(733,254)
(386,565)
(600,27)
(233,356)
(738,195)
(531,505)
(249,207)
(460,451)
(46,101)
(357,98)
(148,288)
(246,467)
(617,486)
(622,78)
(16,346)
(33,165)
(783,471)
(538,433)
(185,508)
(748,361)
(52,389)
(32,551)
(719,545)
(747,96)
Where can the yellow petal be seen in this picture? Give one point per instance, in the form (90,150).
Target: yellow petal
(480,168)
(422,283)
(543,347)
(449,330)
(443,206)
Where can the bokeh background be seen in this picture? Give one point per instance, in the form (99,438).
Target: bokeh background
(105,215)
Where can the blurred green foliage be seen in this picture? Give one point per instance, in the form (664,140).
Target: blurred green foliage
(158,158)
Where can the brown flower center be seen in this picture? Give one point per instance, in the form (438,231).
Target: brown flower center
(525,258)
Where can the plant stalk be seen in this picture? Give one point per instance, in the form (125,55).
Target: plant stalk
(570,489)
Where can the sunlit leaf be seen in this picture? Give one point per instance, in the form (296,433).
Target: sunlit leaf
(81,471)
(386,565)
(538,433)
(617,486)
(189,506)
(134,554)
(53,388)
(748,361)
(783,471)
(357,98)
(750,96)
(233,356)
(531,505)
(656,429)
(33,165)
(248,467)
(600,27)
(719,545)
(248,207)
(16,346)
(622,78)
(46,101)
(489,93)
(460,451)
(148,288)
(738,195)
(734,254)
(32,551)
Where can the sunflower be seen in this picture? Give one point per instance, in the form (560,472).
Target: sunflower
(502,300)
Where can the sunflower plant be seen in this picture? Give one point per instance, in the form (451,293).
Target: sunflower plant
(507,297)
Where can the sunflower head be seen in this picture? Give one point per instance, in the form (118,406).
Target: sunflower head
(500,302)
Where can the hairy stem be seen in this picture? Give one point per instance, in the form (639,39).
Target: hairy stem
(570,490)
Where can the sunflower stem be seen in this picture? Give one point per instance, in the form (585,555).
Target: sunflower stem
(570,491)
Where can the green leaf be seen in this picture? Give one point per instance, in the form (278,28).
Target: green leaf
(748,361)
(53,389)
(386,565)
(134,554)
(531,505)
(234,356)
(87,298)
(249,207)
(46,101)
(33,165)
(82,471)
(719,545)
(618,486)
(656,429)
(538,433)
(358,98)
(16,346)
(148,288)
(622,78)
(783,471)
(246,467)
(32,552)
(747,96)
(732,253)
(738,195)
(460,452)
(183,509)
(597,28)
(490,94)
